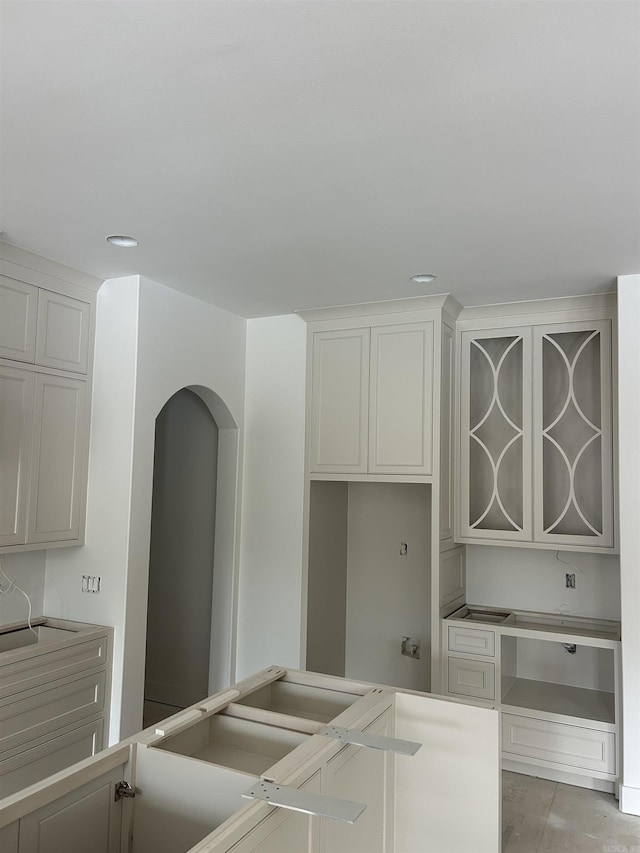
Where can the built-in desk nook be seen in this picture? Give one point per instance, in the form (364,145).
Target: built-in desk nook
(555,678)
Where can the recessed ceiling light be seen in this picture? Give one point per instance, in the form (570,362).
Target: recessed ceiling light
(423,278)
(121,240)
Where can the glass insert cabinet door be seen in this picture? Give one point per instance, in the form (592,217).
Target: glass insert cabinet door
(496,435)
(573,434)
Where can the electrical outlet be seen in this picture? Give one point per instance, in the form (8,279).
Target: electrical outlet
(410,648)
(570,580)
(91,583)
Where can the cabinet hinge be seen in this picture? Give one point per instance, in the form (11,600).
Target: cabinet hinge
(124,789)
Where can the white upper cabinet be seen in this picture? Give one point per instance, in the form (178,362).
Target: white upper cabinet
(496,425)
(339,401)
(371,400)
(16,395)
(59,459)
(46,335)
(536,451)
(63,332)
(18,306)
(400,410)
(573,458)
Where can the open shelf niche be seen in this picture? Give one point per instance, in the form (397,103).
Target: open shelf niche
(363,595)
(551,677)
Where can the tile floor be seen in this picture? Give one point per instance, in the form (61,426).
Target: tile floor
(539,816)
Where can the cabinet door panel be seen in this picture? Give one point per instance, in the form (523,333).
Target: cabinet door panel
(18,302)
(401,405)
(59,459)
(573,434)
(63,332)
(495,431)
(339,401)
(87,819)
(16,407)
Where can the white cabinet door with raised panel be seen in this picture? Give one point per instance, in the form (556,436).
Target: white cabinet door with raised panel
(573,434)
(59,459)
(18,306)
(87,820)
(495,433)
(16,408)
(63,332)
(401,405)
(339,401)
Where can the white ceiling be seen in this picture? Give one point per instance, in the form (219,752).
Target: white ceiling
(279,155)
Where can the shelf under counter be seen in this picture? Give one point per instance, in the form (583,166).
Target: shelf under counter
(562,699)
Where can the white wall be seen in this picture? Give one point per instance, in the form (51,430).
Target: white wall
(533,579)
(270,601)
(388,595)
(27,570)
(629,433)
(151,341)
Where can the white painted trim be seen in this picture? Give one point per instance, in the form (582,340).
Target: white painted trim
(374,478)
(629,504)
(532,768)
(435,302)
(25,266)
(538,306)
(630,800)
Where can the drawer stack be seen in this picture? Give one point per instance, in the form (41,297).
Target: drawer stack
(53,700)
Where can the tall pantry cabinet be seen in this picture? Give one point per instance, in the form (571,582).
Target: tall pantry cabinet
(47,319)
(381,561)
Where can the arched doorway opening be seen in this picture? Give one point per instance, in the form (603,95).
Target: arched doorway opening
(180,631)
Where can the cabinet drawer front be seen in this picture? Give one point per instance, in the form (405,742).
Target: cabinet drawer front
(574,746)
(18,301)
(49,757)
(472,641)
(34,670)
(40,710)
(472,678)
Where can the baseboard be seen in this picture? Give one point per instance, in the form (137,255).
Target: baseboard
(630,800)
(591,782)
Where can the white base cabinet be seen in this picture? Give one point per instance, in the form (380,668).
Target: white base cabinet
(190,772)
(54,684)
(555,680)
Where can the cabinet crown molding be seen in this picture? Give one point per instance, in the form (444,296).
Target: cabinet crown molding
(539,306)
(42,272)
(438,301)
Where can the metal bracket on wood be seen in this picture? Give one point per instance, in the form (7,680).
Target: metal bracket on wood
(124,790)
(305,801)
(388,744)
